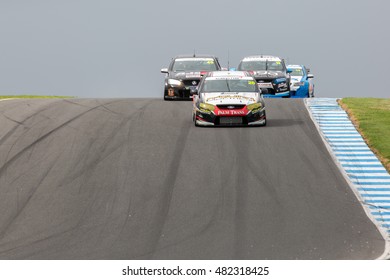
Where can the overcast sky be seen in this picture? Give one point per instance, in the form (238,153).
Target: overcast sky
(116,48)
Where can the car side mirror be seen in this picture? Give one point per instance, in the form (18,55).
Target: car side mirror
(310,76)
(164,70)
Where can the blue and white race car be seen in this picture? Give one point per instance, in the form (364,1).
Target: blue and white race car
(301,82)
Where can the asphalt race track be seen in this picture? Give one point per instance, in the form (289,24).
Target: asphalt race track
(134,179)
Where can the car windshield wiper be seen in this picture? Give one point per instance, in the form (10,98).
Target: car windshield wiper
(227,84)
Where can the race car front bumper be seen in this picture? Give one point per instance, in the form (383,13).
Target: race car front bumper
(183,91)
(273,87)
(300,92)
(251,119)
(177,94)
(278,95)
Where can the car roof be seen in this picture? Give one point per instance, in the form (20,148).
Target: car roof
(195,56)
(261,58)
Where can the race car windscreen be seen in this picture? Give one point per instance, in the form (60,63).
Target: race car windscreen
(193,65)
(296,72)
(260,65)
(225,85)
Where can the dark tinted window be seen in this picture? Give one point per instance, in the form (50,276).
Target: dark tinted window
(194,64)
(257,65)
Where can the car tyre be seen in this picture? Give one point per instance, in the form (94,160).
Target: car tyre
(265,123)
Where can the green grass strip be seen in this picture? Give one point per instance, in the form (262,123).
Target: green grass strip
(372,118)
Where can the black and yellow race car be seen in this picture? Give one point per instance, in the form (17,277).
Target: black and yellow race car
(184,74)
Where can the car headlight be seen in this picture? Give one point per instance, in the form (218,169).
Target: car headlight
(174,82)
(254,107)
(206,108)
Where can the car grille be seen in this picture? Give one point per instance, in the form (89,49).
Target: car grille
(264,80)
(184,93)
(230,120)
(190,82)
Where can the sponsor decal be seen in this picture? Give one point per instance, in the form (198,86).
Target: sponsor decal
(267,73)
(265,85)
(171,92)
(280,80)
(238,97)
(193,75)
(231,112)
(264,58)
(229,78)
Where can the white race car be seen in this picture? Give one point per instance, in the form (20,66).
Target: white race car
(228,99)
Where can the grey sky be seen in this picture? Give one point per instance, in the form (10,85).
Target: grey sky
(116,48)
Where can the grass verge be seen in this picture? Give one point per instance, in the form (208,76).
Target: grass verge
(33,96)
(371,116)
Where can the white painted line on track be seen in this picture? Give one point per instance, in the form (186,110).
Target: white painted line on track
(365,174)
(5,99)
